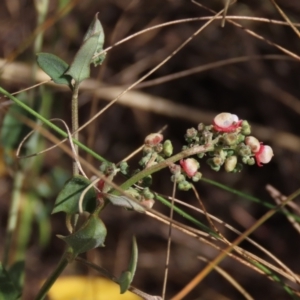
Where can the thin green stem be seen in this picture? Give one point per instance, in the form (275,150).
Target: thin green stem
(75,124)
(53,277)
(166,163)
(249,197)
(13,215)
(50,124)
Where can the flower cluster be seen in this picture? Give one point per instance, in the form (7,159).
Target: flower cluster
(232,147)
(226,143)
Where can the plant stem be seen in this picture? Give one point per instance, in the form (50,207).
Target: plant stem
(75,125)
(13,215)
(50,124)
(52,278)
(185,153)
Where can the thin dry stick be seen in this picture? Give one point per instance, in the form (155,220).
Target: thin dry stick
(227,3)
(198,278)
(151,71)
(52,147)
(209,66)
(276,22)
(230,279)
(293,277)
(284,50)
(286,18)
(91,185)
(208,217)
(279,198)
(206,241)
(169,243)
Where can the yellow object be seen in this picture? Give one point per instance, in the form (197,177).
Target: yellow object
(88,288)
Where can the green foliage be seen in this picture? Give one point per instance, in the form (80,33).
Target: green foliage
(55,67)
(68,198)
(13,129)
(127,276)
(9,283)
(91,235)
(80,67)
(93,44)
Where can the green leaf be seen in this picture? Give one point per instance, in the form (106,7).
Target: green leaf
(13,129)
(54,67)
(8,290)
(125,202)
(127,276)
(16,274)
(80,67)
(124,281)
(91,235)
(68,198)
(96,28)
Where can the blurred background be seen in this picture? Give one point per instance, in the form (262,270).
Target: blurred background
(259,84)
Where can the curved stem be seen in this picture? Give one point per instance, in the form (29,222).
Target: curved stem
(53,277)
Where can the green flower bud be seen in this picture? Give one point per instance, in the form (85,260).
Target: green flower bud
(246,128)
(251,161)
(230,139)
(133,193)
(197,177)
(191,133)
(212,165)
(245,159)
(168,148)
(244,150)
(147,181)
(184,185)
(143,162)
(104,166)
(230,163)
(124,168)
(230,152)
(177,178)
(240,138)
(218,161)
(147,193)
(200,155)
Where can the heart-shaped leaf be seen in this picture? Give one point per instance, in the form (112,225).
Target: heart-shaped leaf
(91,235)
(67,200)
(55,67)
